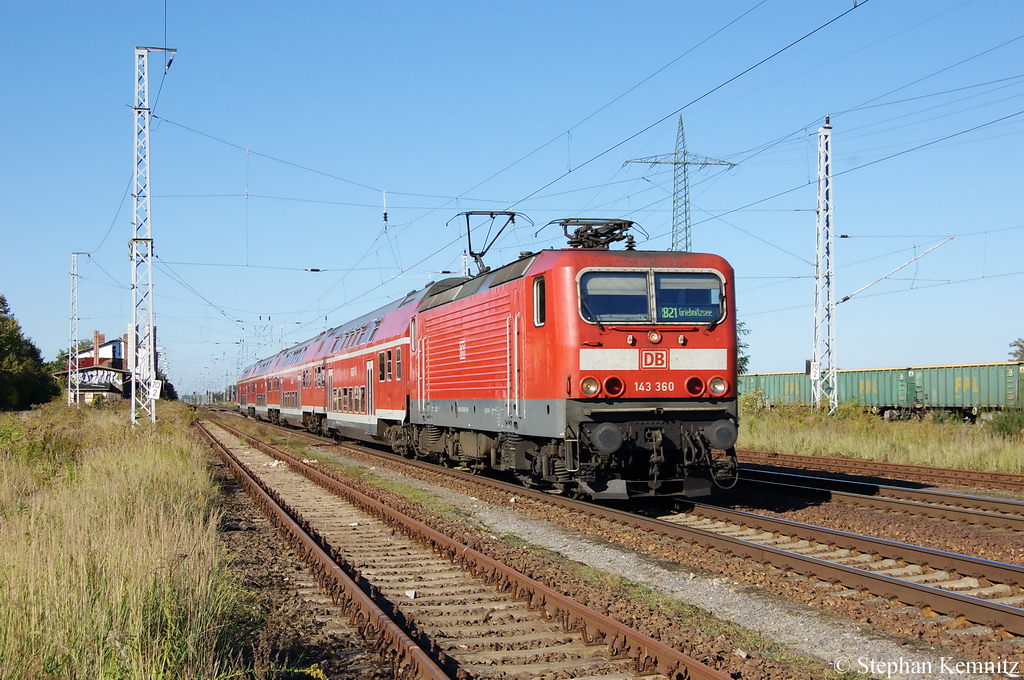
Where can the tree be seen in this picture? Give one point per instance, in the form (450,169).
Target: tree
(167,391)
(1017,350)
(24,380)
(742,358)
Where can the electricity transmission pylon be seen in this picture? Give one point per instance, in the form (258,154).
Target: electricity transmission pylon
(681,160)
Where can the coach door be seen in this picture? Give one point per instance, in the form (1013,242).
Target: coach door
(513,378)
(369,387)
(329,397)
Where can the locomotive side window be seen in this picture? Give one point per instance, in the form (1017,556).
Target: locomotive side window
(614,297)
(539,302)
(689,297)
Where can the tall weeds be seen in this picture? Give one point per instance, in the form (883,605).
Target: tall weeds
(854,433)
(109,560)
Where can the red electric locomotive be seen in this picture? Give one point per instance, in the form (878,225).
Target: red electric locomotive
(600,372)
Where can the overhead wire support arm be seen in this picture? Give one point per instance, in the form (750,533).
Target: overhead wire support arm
(908,262)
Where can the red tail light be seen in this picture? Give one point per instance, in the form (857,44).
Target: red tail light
(695,386)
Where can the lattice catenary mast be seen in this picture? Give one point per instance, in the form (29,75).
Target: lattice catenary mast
(681,160)
(143,344)
(823,365)
(73,371)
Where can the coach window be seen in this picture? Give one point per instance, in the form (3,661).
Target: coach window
(539,302)
(373,332)
(380,366)
(398,363)
(389,365)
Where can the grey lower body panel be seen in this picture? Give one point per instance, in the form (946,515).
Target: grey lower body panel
(529,418)
(548,418)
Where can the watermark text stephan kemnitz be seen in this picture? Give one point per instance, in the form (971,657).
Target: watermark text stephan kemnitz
(888,668)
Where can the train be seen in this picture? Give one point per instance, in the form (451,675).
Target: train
(964,390)
(588,370)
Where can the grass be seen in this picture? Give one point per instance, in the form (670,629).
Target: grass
(110,563)
(854,433)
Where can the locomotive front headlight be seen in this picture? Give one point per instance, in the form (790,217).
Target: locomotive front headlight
(590,386)
(654,337)
(717,386)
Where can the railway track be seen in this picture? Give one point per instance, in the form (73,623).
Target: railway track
(970,594)
(437,608)
(981,590)
(999,513)
(865,468)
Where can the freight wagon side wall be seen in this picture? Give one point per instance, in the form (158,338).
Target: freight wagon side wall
(778,388)
(977,386)
(981,386)
(876,387)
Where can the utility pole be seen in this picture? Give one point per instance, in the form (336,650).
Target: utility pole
(143,354)
(824,385)
(681,160)
(73,372)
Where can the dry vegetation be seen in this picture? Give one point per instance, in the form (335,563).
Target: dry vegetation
(110,564)
(995,445)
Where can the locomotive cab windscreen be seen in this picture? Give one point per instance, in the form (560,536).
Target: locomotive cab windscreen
(651,297)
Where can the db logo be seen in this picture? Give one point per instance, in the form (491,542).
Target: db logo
(654,358)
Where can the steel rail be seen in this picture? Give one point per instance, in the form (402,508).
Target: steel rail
(410,660)
(965,565)
(976,610)
(648,655)
(866,468)
(988,511)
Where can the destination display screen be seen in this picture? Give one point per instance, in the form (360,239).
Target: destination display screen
(687,297)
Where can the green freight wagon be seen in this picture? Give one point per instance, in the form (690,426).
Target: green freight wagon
(778,388)
(965,389)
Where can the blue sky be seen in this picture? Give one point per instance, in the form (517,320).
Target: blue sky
(280,126)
